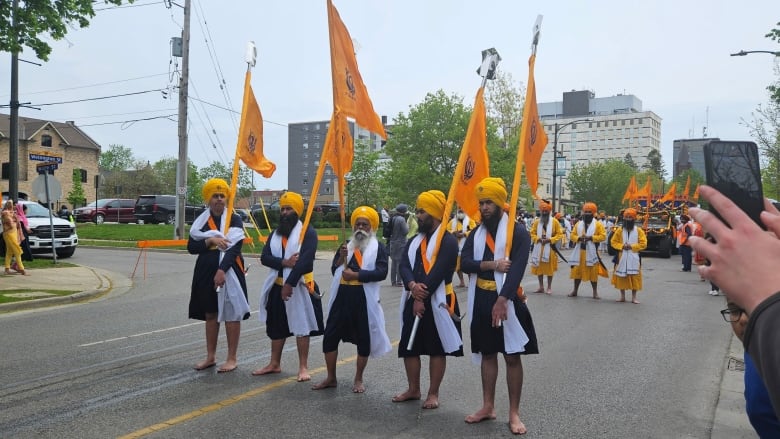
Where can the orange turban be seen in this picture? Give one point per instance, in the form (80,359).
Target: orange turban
(292,200)
(589,207)
(493,189)
(365,212)
(215,186)
(558,215)
(544,206)
(432,202)
(629,213)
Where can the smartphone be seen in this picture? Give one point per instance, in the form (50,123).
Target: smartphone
(733,169)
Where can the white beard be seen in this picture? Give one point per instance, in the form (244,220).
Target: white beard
(360,240)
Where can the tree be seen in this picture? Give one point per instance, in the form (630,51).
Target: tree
(225,172)
(630,161)
(602,182)
(76,195)
(116,158)
(655,163)
(774,89)
(765,129)
(363,182)
(36,18)
(504,105)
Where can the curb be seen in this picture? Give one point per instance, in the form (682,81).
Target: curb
(106,285)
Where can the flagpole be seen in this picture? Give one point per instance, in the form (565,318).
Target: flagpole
(526,125)
(236,169)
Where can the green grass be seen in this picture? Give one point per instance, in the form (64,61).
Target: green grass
(126,235)
(48,262)
(4,298)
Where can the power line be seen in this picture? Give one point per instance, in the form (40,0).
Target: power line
(131,121)
(92,85)
(116,114)
(127,6)
(100,97)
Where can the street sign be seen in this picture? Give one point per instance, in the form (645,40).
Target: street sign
(46,167)
(45,158)
(39,187)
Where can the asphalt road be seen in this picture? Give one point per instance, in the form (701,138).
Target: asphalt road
(122,365)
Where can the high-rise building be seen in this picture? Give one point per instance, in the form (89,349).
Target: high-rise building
(304,149)
(594,129)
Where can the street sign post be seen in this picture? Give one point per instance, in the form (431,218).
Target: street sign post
(46,167)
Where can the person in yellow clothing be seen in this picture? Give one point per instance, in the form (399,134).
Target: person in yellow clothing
(584,259)
(546,232)
(628,240)
(460,226)
(12,235)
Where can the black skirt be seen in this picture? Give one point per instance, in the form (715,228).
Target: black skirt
(485,339)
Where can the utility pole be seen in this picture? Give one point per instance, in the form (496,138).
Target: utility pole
(13,146)
(182,167)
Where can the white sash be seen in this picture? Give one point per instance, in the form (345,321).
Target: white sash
(538,254)
(515,337)
(231,300)
(591,254)
(301,319)
(380,342)
(448,333)
(629,260)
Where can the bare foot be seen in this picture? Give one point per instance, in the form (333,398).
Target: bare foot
(596,297)
(303,375)
(549,291)
(409,395)
(635,301)
(358,387)
(572,294)
(431,402)
(325,384)
(483,414)
(8,272)
(266,370)
(228,366)
(205,364)
(516,426)
(620,300)
(539,291)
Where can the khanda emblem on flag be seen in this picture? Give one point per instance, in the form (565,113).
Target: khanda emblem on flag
(350,83)
(468,169)
(534,128)
(252,141)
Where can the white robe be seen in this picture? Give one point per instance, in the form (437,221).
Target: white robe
(591,254)
(515,337)
(448,332)
(541,252)
(629,260)
(300,312)
(380,342)
(231,300)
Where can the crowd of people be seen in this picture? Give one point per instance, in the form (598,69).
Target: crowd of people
(490,259)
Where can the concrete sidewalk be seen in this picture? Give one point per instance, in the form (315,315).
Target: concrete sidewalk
(730,418)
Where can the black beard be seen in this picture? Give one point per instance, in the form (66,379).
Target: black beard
(426,226)
(491,222)
(287,223)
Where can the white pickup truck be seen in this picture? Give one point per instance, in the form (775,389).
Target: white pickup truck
(65,237)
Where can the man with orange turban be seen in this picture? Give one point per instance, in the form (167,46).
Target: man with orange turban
(290,302)
(584,259)
(628,240)
(355,314)
(428,302)
(500,319)
(219,292)
(546,232)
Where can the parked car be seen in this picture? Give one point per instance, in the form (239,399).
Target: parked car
(65,238)
(157,209)
(120,210)
(327,207)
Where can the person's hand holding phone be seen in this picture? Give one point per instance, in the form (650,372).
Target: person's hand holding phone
(744,257)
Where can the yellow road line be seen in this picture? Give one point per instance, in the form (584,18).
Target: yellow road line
(226,402)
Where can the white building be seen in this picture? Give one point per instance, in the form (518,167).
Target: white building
(592,129)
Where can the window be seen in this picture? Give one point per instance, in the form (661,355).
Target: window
(641,120)
(305,146)
(623,122)
(305,155)
(83,175)
(305,137)
(305,181)
(317,127)
(46,140)
(6,171)
(316,137)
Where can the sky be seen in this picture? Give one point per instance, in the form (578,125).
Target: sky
(673,55)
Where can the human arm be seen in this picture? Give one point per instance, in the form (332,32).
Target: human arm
(305,259)
(379,273)
(267,258)
(558,234)
(616,241)
(641,241)
(600,234)
(743,259)
(518,256)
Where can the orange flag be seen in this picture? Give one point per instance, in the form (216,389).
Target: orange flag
(630,190)
(532,135)
(250,134)
(687,188)
(696,194)
(646,190)
(670,194)
(350,96)
(338,149)
(473,164)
